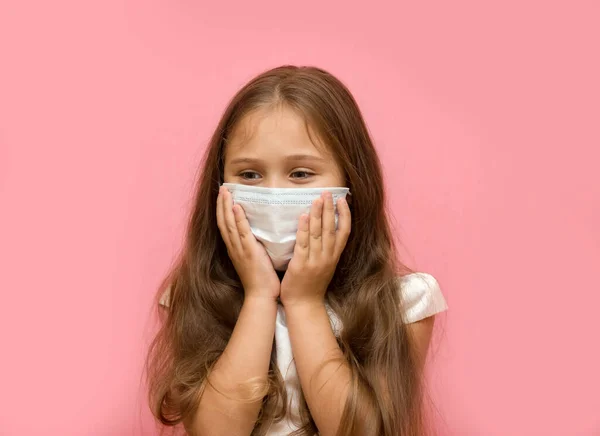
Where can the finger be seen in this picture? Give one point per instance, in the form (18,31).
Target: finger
(232,232)
(302,238)
(314,227)
(328,223)
(344,226)
(221,218)
(243,226)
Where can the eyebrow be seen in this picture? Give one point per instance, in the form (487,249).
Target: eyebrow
(293,157)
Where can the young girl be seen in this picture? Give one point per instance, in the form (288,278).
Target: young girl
(287,311)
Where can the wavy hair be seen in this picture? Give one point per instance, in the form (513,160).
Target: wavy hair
(386,393)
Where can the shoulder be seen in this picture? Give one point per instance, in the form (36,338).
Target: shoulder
(420,296)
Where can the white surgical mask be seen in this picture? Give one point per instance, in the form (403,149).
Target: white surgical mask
(273,214)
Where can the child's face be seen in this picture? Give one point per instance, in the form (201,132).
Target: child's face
(272,148)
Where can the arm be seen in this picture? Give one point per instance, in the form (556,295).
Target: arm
(421,332)
(324,373)
(325,385)
(322,368)
(231,401)
(246,357)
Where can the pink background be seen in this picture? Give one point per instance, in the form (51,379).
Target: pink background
(486,115)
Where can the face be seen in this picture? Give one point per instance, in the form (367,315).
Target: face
(272,148)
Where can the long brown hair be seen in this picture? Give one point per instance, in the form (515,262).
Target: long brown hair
(206,295)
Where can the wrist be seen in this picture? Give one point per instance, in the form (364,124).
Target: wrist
(303,303)
(260,300)
(305,312)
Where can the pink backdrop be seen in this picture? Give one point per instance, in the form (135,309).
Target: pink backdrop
(487,120)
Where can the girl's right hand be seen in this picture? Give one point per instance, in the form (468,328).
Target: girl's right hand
(249,257)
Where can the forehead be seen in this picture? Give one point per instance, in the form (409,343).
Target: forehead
(274,131)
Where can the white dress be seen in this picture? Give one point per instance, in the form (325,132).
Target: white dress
(422,298)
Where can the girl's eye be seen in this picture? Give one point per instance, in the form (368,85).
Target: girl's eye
(249,175)
(301,174)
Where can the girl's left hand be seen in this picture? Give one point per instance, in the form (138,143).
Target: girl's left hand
(317,251)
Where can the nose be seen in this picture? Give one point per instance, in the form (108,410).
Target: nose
(276,181)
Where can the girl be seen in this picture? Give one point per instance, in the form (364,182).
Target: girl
(287,311)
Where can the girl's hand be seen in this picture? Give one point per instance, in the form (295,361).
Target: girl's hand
(317,251)
(249,257)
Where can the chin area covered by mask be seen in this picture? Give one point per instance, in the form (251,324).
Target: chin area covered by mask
(273,214)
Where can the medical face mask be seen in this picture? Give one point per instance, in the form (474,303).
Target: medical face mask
(273,214)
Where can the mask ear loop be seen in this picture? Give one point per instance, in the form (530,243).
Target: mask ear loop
(349,194)
(349,199)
